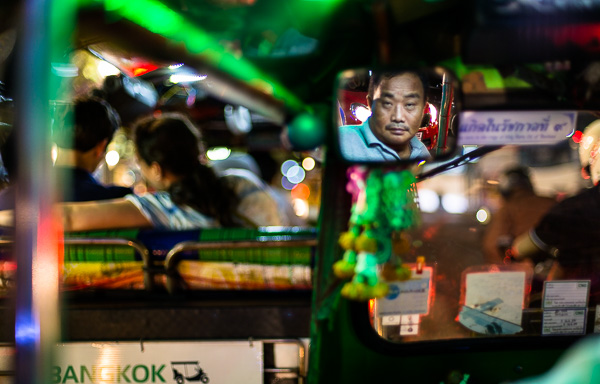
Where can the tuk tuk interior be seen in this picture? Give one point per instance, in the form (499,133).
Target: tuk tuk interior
(263,68)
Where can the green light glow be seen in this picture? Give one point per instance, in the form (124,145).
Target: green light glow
(306,131)
(491,76)
(159,19)
(111,5)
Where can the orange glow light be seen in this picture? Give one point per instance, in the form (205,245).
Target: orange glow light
(301,191)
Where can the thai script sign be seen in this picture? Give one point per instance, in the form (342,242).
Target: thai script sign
(515,127)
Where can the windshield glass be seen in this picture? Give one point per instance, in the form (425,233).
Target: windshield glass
(469,279)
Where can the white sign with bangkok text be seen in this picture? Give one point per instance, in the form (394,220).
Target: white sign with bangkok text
(515,127)
(159,362)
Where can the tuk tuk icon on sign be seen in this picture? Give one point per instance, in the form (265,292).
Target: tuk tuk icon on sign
(188,371)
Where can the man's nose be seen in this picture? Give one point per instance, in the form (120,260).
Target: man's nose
(398,114)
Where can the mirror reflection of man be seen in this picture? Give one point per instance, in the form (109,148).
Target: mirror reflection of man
(397,101)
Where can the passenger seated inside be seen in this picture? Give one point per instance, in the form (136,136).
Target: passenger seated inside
(82,146)
(243,166)
(188,194)
(520,210)
(80,149)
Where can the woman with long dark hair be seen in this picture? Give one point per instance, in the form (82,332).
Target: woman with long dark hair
(171,159)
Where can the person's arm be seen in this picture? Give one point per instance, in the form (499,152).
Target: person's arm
(498,227)
(104,214)
(93,215)
(523,247)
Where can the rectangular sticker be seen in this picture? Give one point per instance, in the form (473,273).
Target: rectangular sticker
(564,322)
(515,127)
(566,294)
(390,320)
(409,329)
(409,325)
(497,294)
(410,297)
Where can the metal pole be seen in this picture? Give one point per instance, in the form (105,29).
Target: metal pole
(36,233)
(444,119)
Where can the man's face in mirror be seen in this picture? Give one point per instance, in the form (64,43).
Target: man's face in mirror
(397,105)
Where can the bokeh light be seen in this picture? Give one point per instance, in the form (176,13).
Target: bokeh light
(455,203)
(140,188)
(362,113)
(286,165)
(128,178)
(286,184)
(218,153)
(306,131)
(308,163)
(301,191)
(296,174)
(112,158)
(301,207)
(429,201)
(482,215)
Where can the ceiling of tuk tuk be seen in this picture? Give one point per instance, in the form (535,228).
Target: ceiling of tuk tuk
(296,47)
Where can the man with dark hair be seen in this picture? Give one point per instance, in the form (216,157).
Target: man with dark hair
(568,233)
(397,101)
(81,148)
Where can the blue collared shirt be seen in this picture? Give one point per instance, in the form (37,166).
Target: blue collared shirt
(358,143)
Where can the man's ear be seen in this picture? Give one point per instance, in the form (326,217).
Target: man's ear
(156,171)
(370,102)
(100,148)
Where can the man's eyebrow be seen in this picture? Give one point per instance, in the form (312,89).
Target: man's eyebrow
(412,95)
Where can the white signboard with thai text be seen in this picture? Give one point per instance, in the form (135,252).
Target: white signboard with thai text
(515,127)
(159,362)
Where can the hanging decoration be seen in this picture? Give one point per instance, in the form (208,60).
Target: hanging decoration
(384,206)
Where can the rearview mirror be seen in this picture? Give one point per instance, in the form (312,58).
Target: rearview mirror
(396,115)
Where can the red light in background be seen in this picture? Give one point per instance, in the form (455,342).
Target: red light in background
(583,36)
(577,136)
(141,69)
